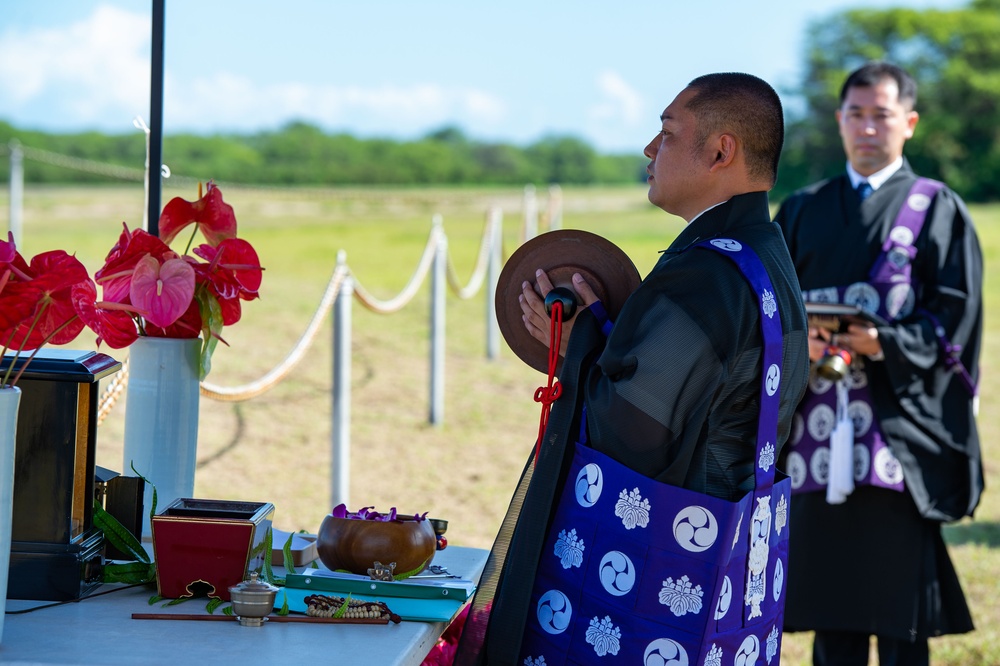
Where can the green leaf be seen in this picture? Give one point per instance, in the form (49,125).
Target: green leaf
(129,572)
(155,599)
(339,613)
(266,569)
(287,552)
(284,607)
(228,610)
(213,604)
(407,574)
(152,509)
(118,535)
(211,327)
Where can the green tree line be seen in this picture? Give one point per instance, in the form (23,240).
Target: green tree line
(954,55)
(301,154)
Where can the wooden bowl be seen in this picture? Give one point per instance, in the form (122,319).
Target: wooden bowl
(355,545)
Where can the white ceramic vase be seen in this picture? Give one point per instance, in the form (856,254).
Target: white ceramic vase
(10,398)
(161,418)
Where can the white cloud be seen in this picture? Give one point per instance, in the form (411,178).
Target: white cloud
(620,119)
(98,65)
(222,100)
(95,73)
(619,102)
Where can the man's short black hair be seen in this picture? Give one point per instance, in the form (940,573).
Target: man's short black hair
(873,73)
(747,107)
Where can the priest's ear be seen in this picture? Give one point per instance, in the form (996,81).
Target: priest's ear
(724,147)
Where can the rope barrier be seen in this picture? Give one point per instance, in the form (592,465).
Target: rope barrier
(479,272)
(280,371)
(113,391)
(80,164)
(408,292)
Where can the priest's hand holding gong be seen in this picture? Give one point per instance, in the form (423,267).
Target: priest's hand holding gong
(579,266)
(536,318)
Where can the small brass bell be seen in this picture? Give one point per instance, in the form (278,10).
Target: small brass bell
(835,364)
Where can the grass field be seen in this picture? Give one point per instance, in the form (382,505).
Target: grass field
(277,447)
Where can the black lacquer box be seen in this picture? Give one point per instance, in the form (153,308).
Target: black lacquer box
(56,552)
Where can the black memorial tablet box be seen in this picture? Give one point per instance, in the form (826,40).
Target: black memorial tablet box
(55,548)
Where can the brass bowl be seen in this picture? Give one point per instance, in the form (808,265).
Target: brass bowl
(253,600)
(440,526)
(355,545)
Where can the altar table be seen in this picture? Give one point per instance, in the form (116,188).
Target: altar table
(99,630)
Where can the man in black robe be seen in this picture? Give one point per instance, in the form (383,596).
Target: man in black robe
(876,563)
(673,390)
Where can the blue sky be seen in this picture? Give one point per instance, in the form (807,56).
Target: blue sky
(510,71)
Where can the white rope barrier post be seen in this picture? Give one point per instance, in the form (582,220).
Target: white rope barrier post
(16,190)
(555,207)
(530,213)
(493,267)
(340,473)
(439,281)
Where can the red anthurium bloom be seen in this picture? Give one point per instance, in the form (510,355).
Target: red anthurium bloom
(187,326)
(232,274)
(240,257)
(115,277)
(17,303)
(214,217)
(53,319)
(148,289)
(113,322)
(12,264)
(231,310)
(7,249)
(162,292)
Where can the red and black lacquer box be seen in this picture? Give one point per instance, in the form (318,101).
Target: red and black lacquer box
(205,545)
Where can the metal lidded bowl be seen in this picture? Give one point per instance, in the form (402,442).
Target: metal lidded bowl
(253,600)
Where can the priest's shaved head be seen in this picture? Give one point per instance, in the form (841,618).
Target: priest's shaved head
(749,108)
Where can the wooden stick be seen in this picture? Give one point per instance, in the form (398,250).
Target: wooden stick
(270,618)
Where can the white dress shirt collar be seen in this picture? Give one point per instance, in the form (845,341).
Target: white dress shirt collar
(877,179)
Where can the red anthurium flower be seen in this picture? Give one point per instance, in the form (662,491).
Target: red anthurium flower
(17,304)
(115,277)
(7,249)
(231,310)
(54,320)
(162,292)
(240,257)
(113,322)
(12,264)
(232,274)
(214,217)
(148,289)
(35,301)
(187,326)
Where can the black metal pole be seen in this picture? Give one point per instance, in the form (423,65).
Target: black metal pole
(156,119)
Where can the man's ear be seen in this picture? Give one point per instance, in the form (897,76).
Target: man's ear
(725,151)
(911,123)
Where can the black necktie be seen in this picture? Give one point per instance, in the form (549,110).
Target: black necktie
(864,189)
